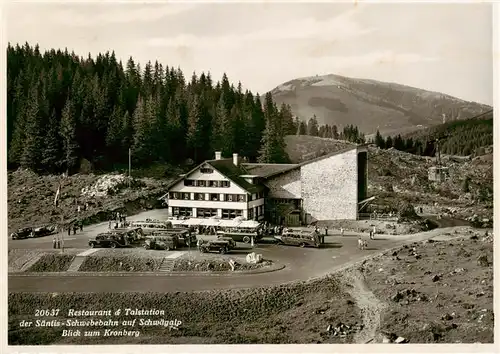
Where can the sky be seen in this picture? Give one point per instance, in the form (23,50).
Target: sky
(439,47)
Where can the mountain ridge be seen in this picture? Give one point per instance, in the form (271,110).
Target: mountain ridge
(372,105)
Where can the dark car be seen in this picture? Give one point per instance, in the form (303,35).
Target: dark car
(22,233)
(219,246)
(109,240)
(184,237)
(133,235)
(230,240)
(44,230)
(163,242)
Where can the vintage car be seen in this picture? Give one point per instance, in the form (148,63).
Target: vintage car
(184,237)
(44,230)
(230,240)
(109,240)
(214,246)
(133,235)
(22,233)
(31,232)
(299,238)
(163,242)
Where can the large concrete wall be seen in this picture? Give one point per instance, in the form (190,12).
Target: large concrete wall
(286,185)
(329,187)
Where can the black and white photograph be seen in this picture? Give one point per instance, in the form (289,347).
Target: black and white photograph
(220,173)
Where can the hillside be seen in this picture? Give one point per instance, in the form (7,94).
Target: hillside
(462,137)
(371,105)
(394,176)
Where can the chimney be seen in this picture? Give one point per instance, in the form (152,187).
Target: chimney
(218,155)
(235,159)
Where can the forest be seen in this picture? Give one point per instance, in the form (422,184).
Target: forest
(461,137)
(64,111)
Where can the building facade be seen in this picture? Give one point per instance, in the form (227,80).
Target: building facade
(217,188)
(330,187)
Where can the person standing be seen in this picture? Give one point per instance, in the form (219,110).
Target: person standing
(341,231)
(326,230)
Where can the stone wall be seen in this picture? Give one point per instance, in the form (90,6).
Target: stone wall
(329,187)
(286,185)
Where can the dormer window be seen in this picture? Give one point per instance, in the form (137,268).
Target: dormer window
(206,170)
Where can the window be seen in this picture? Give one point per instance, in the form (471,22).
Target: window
(181,211)
(224,184)
(200,183)
(186,196)
(234,197)
(250,214)
(174,195)
(214,197)
(199,196)
(206,213)
(213,184)
(206,170)
(188,182)
(231,213)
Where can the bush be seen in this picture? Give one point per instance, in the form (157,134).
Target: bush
(52,263)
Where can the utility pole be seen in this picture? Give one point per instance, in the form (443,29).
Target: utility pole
(129,164)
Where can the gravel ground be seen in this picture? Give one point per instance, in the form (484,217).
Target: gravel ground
(436,291)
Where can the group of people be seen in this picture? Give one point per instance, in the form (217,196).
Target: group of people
(75,226)
(119,220)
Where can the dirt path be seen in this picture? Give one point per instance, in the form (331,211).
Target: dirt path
(370,307)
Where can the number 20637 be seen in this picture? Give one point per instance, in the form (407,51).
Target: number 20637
(43,313)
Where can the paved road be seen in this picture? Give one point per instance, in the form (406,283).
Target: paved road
(301,264)
(81,239)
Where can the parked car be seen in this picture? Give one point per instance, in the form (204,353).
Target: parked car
(109,240)
(133,235)
(230,240)
(185,238)
(22,233)
(44,230)
(164,242)
(220,246)
(299,238)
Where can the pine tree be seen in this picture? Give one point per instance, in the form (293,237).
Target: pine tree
(51,158)
(33,141)
(68,137)
(379,140)
(194,133)
(312,126)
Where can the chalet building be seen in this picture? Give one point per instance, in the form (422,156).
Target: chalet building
(329,187)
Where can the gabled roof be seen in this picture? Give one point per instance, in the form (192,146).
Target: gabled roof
(234,173)
(228,169)
(266,170)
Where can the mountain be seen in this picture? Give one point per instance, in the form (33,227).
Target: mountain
(371,105)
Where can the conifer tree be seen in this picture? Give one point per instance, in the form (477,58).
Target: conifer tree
(68,137)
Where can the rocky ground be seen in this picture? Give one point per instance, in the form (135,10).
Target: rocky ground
(31,197)
(396,176)
(435,291)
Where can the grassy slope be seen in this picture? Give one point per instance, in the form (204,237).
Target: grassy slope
(370,104)
(283,314)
